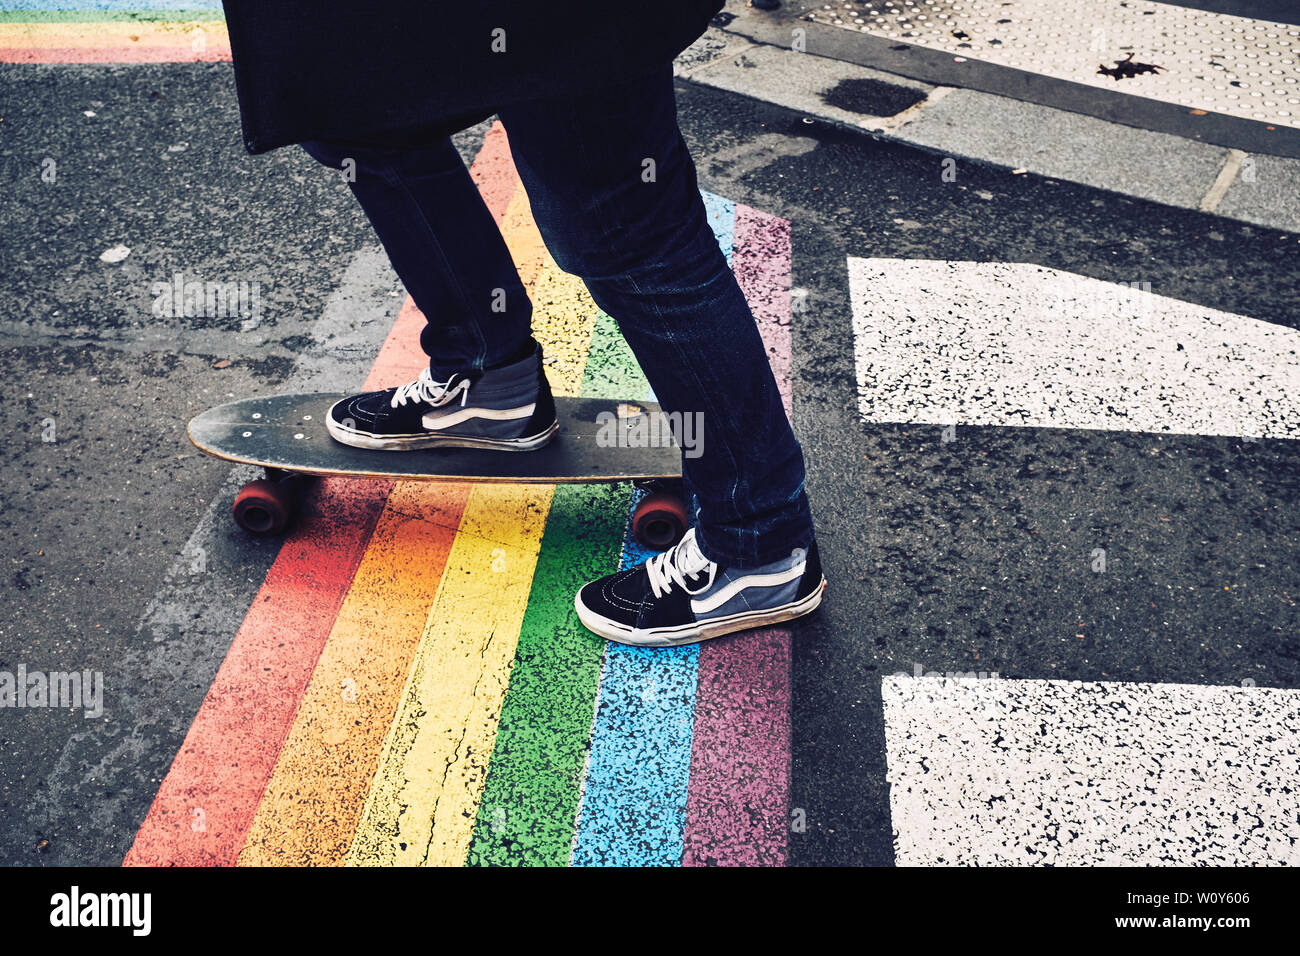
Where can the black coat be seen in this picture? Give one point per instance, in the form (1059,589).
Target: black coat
(403,70)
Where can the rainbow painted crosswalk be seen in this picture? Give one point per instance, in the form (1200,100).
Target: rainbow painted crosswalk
(411,685)
(112,31)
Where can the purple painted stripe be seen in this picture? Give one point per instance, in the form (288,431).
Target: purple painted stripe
(738,804)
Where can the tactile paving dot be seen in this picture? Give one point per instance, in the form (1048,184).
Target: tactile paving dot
(1208,61)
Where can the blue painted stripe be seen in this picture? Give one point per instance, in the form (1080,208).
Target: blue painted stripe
(722,219)
(112,6)
(638,773)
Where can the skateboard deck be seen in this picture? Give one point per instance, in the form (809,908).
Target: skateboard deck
(599,440)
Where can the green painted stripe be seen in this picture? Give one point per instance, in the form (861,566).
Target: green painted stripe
(100,16)
(612,371)
(530,802)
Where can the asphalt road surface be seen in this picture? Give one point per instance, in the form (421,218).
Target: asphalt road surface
(1092,483)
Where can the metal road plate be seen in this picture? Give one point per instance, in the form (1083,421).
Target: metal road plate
(1209,61)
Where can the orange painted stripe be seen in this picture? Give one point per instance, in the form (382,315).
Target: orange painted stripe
(494,173)
(206,805)
(527,249)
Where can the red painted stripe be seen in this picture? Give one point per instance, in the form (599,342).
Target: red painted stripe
(231,749)
(738,801)
(136,53)
(202,812)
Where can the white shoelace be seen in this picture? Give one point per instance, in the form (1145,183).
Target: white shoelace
(674,565)
(425,389)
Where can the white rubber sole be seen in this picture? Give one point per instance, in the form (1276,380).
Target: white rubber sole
(694,633)
(358,439)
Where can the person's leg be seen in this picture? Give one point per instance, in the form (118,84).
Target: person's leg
(485,386)
(446,248)
(614,192)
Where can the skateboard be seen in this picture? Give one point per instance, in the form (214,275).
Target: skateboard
(599,440)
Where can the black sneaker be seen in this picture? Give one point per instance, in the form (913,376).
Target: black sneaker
(681,597)
(508,408)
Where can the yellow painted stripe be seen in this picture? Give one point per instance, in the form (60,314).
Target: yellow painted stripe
(310,808)
(563,311)
(424,799)
(438,747)
(95,34)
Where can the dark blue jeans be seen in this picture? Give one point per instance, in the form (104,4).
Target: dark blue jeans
(644,248)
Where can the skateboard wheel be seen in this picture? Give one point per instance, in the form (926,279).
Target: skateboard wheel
(263,507)
(659,520)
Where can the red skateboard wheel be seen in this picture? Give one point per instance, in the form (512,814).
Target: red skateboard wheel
(660,520)
(263,507)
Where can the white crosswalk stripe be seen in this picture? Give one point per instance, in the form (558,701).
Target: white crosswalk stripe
(981,343)
(1019,772)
